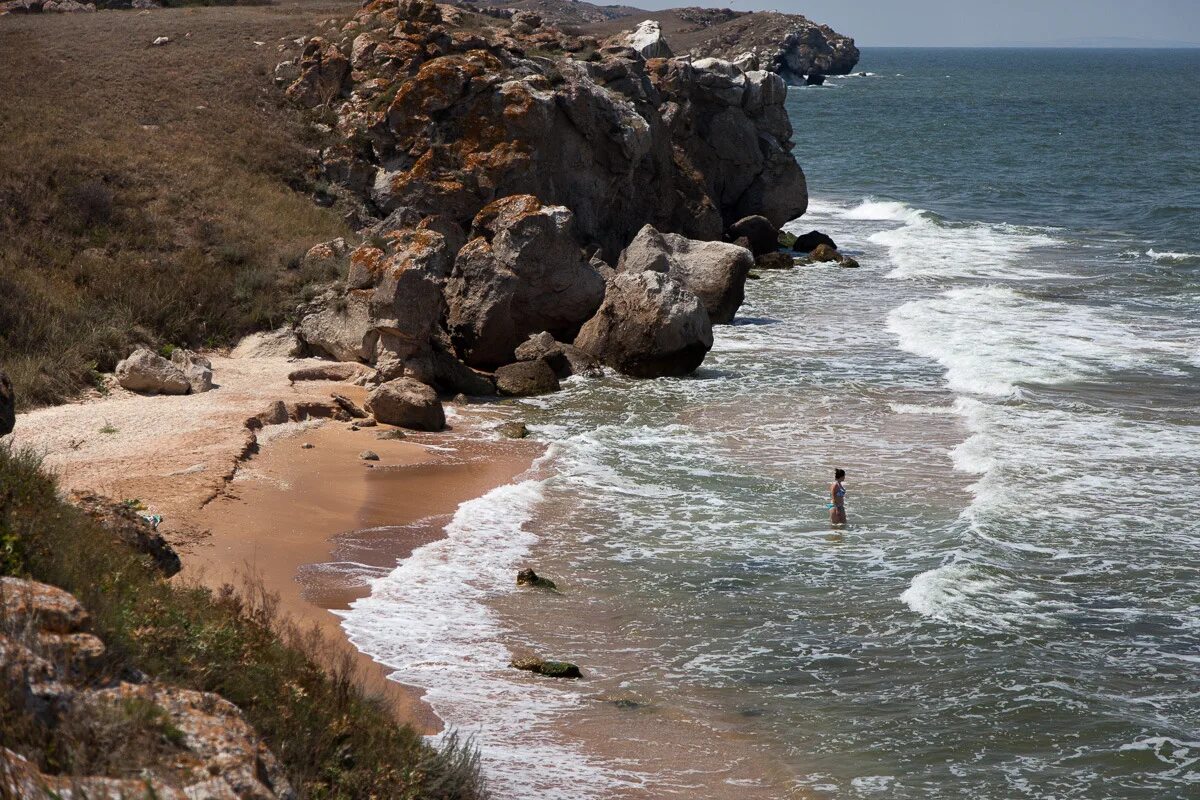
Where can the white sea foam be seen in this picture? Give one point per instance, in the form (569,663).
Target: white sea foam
(1170,257)
(428,620)
(962,593)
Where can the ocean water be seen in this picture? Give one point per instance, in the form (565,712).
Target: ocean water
(1011,380)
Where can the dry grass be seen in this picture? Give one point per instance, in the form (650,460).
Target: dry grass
(148,194)
(333,740)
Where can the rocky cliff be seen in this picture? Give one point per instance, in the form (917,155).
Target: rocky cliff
(790,45)
(507,164)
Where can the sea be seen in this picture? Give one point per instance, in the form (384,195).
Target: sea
(1011,381)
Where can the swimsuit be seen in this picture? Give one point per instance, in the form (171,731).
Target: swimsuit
(840,493)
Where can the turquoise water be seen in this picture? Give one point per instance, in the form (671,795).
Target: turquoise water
(1011,381)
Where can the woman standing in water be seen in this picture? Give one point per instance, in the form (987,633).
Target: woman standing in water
(837,496)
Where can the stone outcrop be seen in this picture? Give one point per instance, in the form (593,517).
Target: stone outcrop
(146,371)
(45,653)
(407,403)
(450,118)
(129,527)
(8,405)
(713,271)
(647,39)
(649,326)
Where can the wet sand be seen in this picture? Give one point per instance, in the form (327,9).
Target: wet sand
(290,510)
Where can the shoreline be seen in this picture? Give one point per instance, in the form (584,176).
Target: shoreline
(282,516)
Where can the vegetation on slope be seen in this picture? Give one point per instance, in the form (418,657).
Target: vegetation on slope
(333,741)
(147,194)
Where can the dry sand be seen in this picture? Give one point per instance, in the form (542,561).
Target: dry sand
(275,510)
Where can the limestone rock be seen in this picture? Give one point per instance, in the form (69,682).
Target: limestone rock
(408,404)
(647,39)
(343,371)
(146,371)
(45,607)
(281,343)
(807,242)
(526,378)
(713,271)
(8,405)
(195,367)
(339,325)
(522,273)
(349,406)
(648,326)
(759,232)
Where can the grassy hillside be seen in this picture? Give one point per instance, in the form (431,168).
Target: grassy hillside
(148,194)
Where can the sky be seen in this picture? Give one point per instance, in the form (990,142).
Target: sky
(981,23)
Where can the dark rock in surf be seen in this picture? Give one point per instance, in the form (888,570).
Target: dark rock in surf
(527,577)
(550,669)
(815,79)
(513,430)
(526,379)
(806,243)
(774,260)
(759,232)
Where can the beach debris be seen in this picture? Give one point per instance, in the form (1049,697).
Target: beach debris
(146,371)
(527,577)
(369,455)
(550,669)
(307,446)
(160,41)
(526,379)
(512,430)
(408,403)
(349,406)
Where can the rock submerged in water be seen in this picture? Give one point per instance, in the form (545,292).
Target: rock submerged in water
(824,253)
(407,403)
(713,271)
(807,242)
(148,372)
(550,669)
(513,430)
(526,379)
(649,326)
(775,260)
(527,577)
(758,231)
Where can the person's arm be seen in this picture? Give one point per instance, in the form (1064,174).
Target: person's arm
(833,493)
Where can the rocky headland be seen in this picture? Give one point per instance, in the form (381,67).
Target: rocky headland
(516,180)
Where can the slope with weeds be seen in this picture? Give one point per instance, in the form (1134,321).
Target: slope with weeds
(148,194)
(333,741)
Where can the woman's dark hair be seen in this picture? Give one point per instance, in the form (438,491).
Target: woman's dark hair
(839,474)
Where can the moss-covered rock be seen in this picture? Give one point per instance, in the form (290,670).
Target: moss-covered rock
(550,669)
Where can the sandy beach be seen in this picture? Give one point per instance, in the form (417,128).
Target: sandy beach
(287,504)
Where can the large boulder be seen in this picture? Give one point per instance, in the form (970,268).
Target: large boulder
(521,273)
(647,39)
(407,403)
(526,378)
(713,271)
(8,405)
(195,367)
(338,325)
(648,326)
(146,371)
(758,231)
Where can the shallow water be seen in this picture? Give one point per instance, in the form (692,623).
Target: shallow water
(1010,381)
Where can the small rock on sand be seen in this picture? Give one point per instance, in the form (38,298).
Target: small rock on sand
(513,430)
(307,446)
(369,455)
